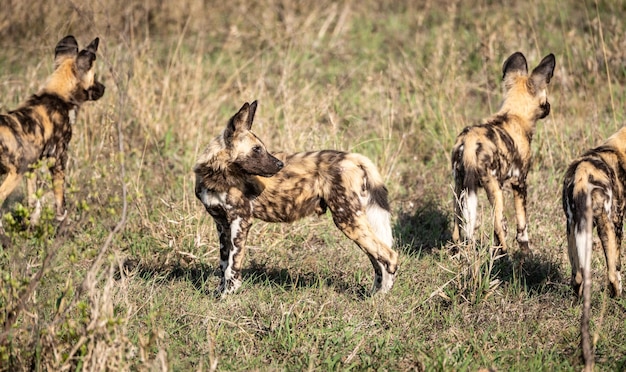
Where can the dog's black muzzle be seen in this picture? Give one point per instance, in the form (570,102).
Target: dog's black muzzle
(96,91)
(544,110)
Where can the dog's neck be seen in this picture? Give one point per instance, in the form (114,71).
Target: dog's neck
(227,180)
(66,109)
(525,125)
(214,179)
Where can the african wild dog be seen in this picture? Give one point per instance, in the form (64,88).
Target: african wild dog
(594,192)
(497,151)
(237,180)
(42,127)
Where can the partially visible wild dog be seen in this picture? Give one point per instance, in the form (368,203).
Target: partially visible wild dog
(238,180)
(42,127)
(594,190)
(497,151)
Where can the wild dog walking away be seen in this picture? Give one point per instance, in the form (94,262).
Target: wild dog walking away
(237,180)
(497,151)
(594,194)
(42,127)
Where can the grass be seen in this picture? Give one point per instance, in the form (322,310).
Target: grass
(128,282)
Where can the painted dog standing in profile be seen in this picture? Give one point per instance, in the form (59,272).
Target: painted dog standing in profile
(496,152)
(594,189)
(42,127)
(237,180)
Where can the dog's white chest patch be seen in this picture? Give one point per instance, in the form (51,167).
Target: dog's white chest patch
(211,199)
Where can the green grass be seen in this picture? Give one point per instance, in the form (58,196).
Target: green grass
(394,81)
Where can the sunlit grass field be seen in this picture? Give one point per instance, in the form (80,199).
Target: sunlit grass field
(127,284)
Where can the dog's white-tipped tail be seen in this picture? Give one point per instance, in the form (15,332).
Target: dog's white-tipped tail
(376,202)
(584,246)
(469,207)
(380,221)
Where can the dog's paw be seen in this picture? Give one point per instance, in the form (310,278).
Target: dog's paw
(60,217)
(383,278)
(383,283)
(227,287)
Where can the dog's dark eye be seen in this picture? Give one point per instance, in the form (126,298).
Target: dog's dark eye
(257,149)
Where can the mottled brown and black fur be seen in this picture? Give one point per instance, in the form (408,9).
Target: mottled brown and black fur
(42,126)
(594,194)
(238,180)
(497,151)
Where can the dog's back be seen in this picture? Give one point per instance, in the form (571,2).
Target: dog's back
(31,131)
(312,181)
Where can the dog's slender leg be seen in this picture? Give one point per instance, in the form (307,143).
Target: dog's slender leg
(379,273)
(33,201)
(385,263)
(383,258)
(572,251)
(239,233)
(519,197)
(606,232)
(459,199)
(618,261)
(223,231)
(232,250)
(384,277)
(58,185)
(494,194)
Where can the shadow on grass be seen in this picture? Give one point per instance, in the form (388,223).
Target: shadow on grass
(537,275)
(425,229)
(259,274)
(196,274)
(254,274)
(509,276)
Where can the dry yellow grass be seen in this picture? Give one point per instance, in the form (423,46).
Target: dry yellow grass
(395,81)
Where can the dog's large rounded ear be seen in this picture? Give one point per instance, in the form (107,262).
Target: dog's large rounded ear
(85,58)
(240,120)
(66,48)
(541,75)
(516,63)
(251,113)
(93,46)
(237,122)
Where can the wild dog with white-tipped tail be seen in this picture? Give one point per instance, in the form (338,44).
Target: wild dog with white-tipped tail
(497,151)
(237,180)
(594,194)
